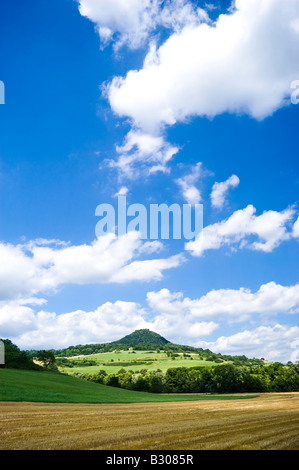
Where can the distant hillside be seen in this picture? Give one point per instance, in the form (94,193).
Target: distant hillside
(143,337)
(141,340)
(145,340)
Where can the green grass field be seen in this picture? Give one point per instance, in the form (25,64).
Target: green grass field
(111,362)
(33,386)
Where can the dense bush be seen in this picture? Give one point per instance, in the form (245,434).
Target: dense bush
(16,359)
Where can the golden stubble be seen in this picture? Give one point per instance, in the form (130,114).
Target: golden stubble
(270,421)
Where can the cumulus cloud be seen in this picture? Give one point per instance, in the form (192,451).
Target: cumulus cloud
(142,154)
(131,22)
(48,330)
(270,229)
(243,63)
(274,343)
(16,317)
(224,306)
(42,329)
(296,229)
(178,318)
(228,304)
(187,184)
(146,270)
(219,191)
(30,269)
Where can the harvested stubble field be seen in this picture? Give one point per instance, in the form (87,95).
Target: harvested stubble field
(270,421)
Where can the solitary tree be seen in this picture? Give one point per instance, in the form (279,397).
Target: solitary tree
(46,357)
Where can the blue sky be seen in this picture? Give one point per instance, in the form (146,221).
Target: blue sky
(177,102)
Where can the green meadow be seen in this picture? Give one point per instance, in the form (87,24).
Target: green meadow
(111,362)
(49,387)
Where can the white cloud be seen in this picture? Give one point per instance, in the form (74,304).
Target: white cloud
(181,330)
(199,317)
(123,191)
(48,330)
(20,276)
(178,318)
(175,319)
(296,229)
(151,247)
(142,154)
(219,191)
(228,304)
(110,321)
(176,14)
(187,185)
(270,229)
(244,63)
(30,269)
(15,319)
(274,343)
(146,270)
(130,22)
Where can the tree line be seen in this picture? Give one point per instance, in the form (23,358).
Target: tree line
(224,378)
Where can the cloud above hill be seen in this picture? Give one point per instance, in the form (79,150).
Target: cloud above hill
(171,314)
(274,343)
